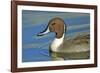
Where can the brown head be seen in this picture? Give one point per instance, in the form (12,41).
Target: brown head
(56,25)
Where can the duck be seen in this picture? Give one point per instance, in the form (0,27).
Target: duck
(66,49)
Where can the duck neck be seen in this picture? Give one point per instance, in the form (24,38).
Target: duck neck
(57,43)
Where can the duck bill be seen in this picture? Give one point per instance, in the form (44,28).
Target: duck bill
(44,32)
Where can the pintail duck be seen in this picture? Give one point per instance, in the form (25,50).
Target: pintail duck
(65,49)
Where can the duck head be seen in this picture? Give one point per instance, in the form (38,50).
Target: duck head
(56,25)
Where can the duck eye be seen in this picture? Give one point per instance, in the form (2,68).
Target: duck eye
(53,23)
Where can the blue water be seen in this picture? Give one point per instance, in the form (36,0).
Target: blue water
(35,48)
